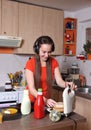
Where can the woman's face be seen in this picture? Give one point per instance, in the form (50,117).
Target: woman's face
(45,52)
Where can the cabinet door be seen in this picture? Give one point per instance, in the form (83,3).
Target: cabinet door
(9,18)
(53,26)
(30,26)
(55,94)
(60,94)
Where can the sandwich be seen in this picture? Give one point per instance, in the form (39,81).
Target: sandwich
(59,107)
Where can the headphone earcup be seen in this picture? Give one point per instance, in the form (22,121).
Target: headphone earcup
(53,48)
(36,48)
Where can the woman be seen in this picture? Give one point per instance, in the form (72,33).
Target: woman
(42,69)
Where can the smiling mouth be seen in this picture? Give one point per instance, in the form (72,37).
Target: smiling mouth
(46,59)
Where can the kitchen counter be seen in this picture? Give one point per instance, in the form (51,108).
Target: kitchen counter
(87,96)
(83,95)
(73,122)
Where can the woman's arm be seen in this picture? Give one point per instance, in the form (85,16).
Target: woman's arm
(60,82)
(30,81)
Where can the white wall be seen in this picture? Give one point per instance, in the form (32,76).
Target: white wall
(10,63)
(84,21)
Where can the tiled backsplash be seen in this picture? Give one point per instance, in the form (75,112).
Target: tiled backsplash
(10,63)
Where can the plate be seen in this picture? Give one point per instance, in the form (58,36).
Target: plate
(10,111)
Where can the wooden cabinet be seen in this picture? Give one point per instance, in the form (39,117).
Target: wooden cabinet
(70,33)
(55,94)
(30,26)
(8,21)
(35,21)
(9,18)
(0,16)
(60,96)
(30,22)
(53,26)
(82,106)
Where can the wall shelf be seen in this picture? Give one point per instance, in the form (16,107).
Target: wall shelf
(70,33)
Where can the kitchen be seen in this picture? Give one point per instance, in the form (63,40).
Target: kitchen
(19,61)
(83,20)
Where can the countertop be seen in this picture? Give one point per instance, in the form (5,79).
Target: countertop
(87,96)
(30,123)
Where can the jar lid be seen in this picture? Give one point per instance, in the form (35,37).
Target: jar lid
(74,65)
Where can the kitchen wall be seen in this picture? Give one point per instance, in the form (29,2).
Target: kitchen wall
(84,21)
(10,63)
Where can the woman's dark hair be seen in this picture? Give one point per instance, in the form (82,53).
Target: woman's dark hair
(43,40)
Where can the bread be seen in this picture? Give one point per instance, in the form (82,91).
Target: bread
(59,107)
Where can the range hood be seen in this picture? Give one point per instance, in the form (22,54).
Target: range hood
(10,41)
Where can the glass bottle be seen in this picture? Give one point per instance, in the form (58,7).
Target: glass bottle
(39,106)
(26,104)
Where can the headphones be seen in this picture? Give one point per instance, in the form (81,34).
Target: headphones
(36,47)
(43,40)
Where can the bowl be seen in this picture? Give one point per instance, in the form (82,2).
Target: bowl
(10,111)
(11,114)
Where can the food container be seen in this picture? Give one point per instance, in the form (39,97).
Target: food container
(68,100)
(55,115)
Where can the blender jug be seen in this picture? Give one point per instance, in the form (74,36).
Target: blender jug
(68,100)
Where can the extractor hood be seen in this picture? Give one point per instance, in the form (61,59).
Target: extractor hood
(10,41)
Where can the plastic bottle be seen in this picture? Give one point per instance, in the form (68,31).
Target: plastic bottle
(68,100)
(26,104)
(39,106)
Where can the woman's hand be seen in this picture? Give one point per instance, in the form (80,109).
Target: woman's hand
(72,85)
(50,102)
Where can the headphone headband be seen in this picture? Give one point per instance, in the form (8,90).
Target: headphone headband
(43,40)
